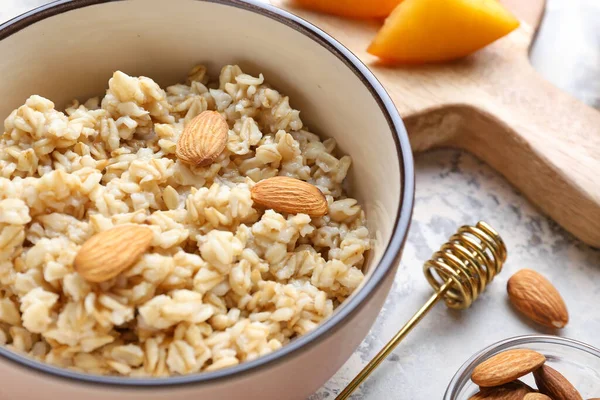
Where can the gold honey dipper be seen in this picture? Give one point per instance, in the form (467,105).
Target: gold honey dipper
(458,273)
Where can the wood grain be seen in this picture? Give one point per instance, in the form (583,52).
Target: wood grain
(496,106)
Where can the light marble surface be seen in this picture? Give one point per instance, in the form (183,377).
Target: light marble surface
(453,189)
(567,50)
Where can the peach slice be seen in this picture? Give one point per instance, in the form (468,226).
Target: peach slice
(351,8)
(420,31)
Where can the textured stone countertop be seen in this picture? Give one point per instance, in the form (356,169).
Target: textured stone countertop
(453,189)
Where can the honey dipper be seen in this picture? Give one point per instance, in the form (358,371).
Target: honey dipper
(458,273)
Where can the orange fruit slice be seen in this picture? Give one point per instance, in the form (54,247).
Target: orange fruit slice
(422,31)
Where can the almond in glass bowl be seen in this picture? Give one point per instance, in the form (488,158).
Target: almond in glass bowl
(577,361)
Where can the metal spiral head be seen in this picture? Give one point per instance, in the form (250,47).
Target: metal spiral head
(472,257)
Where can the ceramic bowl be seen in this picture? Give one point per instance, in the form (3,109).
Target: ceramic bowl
(69,49)
(577,361)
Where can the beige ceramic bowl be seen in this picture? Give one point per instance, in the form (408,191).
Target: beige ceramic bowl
(69,49)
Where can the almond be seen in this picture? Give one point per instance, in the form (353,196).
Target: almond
(510,391)
(536,396)
(203,139)
(289,195)
(506,367)
(107,254)
(536,298)
(551,382)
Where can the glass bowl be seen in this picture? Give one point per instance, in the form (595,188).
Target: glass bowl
(577,361)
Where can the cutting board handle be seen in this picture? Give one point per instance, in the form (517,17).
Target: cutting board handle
(496,106)
(541,139)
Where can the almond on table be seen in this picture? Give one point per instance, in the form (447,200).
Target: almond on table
(536,298)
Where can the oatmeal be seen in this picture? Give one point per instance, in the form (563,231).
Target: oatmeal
(223,280)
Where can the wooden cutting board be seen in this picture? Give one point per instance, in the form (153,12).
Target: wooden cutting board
(496,106)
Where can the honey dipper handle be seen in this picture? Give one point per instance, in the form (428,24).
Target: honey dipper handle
(542,140)
(393,343)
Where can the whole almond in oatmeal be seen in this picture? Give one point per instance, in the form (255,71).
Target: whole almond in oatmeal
(290,195)
(203,139)
(506,367)
(210,279)
(108,253)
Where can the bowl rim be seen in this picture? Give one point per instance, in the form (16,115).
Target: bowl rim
(463,375)
(390,255)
